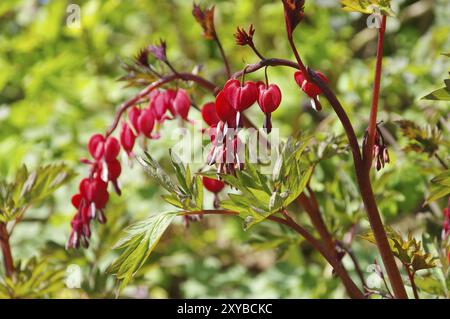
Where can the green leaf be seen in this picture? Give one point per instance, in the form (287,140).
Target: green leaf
(139,241)
(153,168)
(441,187)
(442,94)
(180,172)
(430,285)
(33,279)
(437,192)
(31,188)
(368,6)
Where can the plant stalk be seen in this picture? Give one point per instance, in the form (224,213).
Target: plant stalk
(6,250)
(365,187)
(368,151)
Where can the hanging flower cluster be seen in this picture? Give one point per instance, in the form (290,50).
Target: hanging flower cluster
(93,194)
(224,119)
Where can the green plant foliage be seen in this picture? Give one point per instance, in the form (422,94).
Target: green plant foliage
(34,279)
(59,85)
(409,251)
(188,194)
(260,195)
(30,188)
(421,139)
(440,186)
(138,243)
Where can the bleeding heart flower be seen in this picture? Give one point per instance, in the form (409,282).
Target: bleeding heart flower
(112,149)
(213,185)
(181,104)
(159,104)
(224,109)
(127,138)
(114,170)
(76,200)
(241,97)
(269,99)
(146,122)
(96,146)
(310,88)
(133,116)
(209,114)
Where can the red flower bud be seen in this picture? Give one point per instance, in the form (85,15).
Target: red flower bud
(213,185)
(146,122)
(181,104)
(112,149)
(209,114)
(96,146)
(127,138)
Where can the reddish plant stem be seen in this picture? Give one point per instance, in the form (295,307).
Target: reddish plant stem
(368,151)
(253,47)
(224,57)
(6,250)
(411,280)
(358,270)
(298,58)
(365,186)
(263,63)
(318,222)
(350,286)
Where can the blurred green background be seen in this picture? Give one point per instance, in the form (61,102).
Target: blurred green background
(59,85)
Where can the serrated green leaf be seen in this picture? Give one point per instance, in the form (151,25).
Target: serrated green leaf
(139,241)
(153,168)
(172,200)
